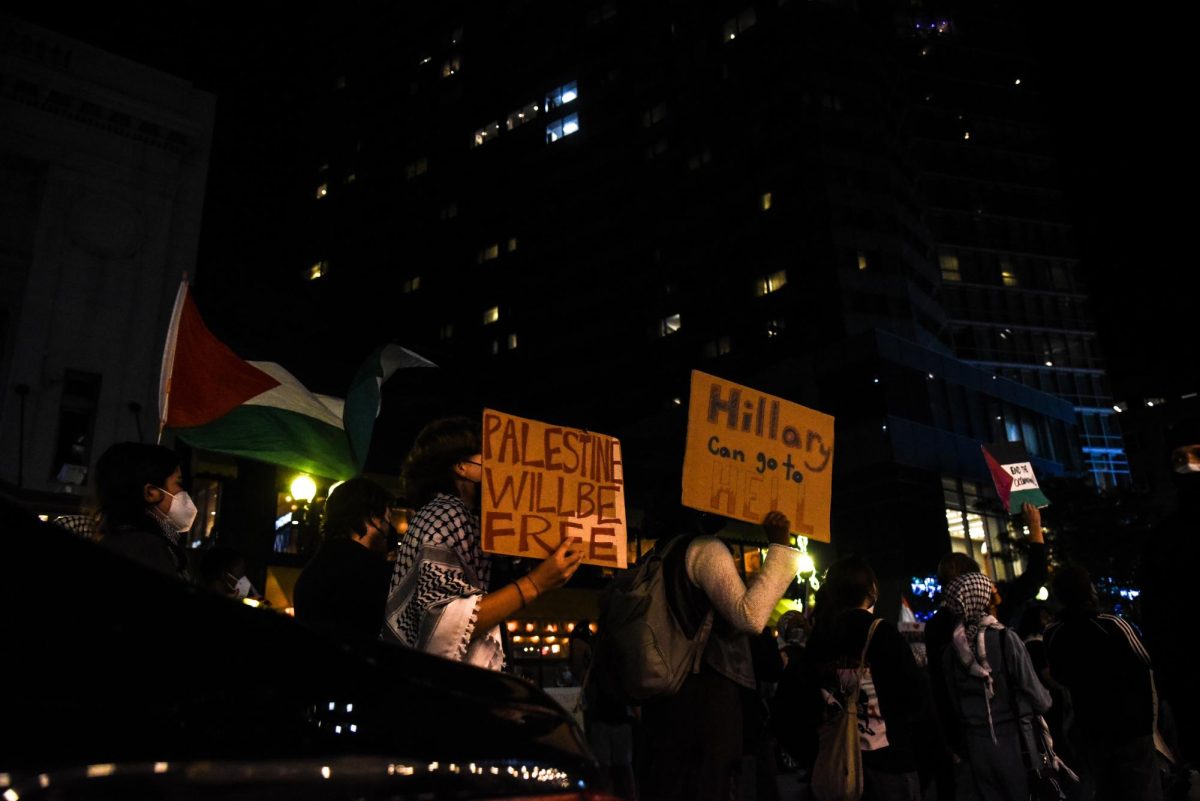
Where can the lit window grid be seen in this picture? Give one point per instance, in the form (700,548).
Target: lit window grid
(561,128)
(562,95)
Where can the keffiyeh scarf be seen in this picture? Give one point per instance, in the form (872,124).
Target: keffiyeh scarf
(970,597)
(441,572)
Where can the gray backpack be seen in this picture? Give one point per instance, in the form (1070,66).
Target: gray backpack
(648,649)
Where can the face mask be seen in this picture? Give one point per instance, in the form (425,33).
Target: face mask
(243,587)
(1187,467)
(182,512)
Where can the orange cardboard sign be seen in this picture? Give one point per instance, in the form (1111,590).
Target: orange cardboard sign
(543,483)
(749,453)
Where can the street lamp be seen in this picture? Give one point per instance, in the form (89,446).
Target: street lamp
(805,570)
(304,488)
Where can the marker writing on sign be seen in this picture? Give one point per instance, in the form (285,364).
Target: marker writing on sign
(762,419)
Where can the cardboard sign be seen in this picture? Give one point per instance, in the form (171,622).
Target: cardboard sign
(749,453)
(1013,475)
(544,483)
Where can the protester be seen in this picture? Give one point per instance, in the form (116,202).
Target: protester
(144,510)
(694,737)
(891,694)
(223,570)
(1167,579)
(995,690)
(608,721)
(343,588)
(438,600)
(1100,660)
(940,629)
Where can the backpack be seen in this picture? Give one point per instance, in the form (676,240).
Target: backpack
(649,651)
(837,773)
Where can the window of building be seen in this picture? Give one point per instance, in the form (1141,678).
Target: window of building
(351,178)
(669,325)
(601,13)
(654,115)
(451,67)
(765,201)
(775,327)
(735,26)
(950,268)
(322,191)
(319,270)
(491,315)
(448,212)
(862,260)
(487,133)
(415,168)
(770,283)
(521,116)
(446,332)
(488,253)
(457,36)
(76,425)
(512,341)
(495,345)
(512,244)
(718,347)
(657,149)
(562,95)
(411,285)
(700,159)
(560,128)
(1008,278)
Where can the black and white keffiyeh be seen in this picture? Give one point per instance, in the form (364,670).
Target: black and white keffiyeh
(441,571)
(970,597)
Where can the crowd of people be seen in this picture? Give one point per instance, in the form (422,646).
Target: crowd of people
(1015,698)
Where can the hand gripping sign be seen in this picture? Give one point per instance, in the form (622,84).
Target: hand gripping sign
(749,453)
(544,483)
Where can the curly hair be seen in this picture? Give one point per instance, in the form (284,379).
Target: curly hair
(429,466)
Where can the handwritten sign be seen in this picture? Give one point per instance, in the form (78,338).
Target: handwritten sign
(749,453)
(1013,475)
(545,483)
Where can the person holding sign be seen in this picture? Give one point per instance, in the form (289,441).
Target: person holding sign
(438,600)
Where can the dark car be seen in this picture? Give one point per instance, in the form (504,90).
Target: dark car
(125,683)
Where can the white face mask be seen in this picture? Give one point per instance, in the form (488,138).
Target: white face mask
(182,512)
(1187,467)
(243,587)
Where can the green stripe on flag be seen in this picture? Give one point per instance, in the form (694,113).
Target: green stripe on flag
(273,435)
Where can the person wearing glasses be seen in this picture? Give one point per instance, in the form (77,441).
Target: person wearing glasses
(439,599)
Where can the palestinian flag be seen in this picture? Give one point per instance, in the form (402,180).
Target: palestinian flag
(1012,473)
(213,399)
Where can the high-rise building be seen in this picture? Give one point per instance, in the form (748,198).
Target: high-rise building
(578,205)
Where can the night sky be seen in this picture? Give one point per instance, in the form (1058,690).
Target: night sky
(1114,81)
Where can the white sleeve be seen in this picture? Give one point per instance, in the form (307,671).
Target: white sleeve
(710,566)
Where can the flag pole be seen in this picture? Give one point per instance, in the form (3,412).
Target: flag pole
(168,360)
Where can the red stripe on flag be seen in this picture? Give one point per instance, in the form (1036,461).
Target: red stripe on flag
(209,380)
(1000,477)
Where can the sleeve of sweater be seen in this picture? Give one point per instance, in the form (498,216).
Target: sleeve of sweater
(710,567)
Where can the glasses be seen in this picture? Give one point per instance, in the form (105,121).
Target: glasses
(468,461)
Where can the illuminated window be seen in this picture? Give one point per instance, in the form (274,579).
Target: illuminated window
(770,283)
(415,168)
(738,25)
(512,244)
(447,331)
(486,134)
(351,178)
(775,327)
(491,315)
(560,128)
(495,347)
(950,268)
(561,96)
(322,191)
(765,201)
(669,325)
(451,67)
(488,253)
(862,260)
(411,285)
(1009,278)
(521,116)
(318,270)
(512,341)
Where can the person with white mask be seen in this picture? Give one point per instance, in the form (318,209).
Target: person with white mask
(144,509)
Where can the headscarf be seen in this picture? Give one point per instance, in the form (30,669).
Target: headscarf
(970,597)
